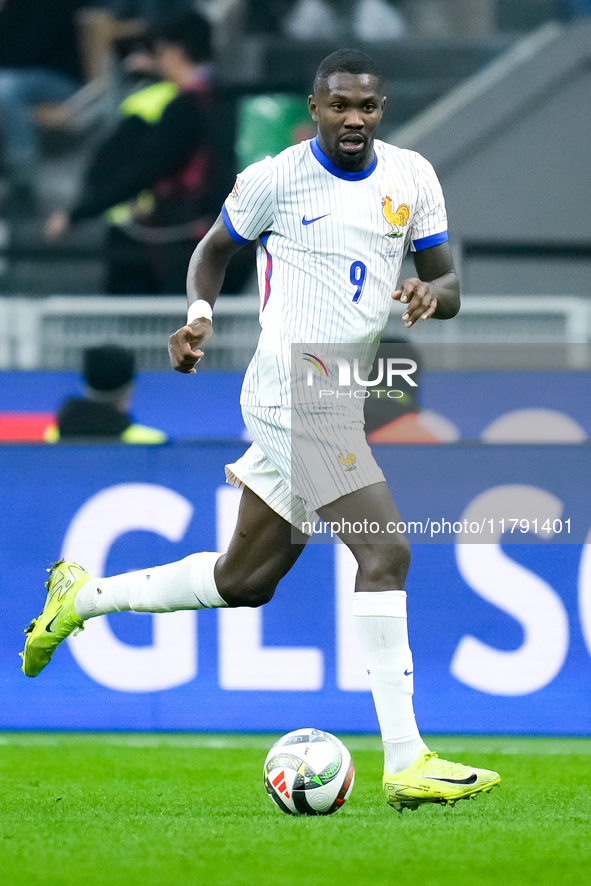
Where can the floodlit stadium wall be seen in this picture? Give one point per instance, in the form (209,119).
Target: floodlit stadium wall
(501,634)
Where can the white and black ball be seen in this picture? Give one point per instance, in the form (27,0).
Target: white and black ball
(309,772)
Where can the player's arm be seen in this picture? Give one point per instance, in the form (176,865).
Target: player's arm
(204,280)
(435,292)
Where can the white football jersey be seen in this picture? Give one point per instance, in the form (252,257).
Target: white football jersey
(331,244)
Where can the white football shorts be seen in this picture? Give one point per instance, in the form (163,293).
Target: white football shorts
(302,459)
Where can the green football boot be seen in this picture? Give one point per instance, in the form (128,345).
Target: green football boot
(57,619)
(431,780)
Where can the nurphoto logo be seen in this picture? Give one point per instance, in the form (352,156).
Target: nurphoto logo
(388,371)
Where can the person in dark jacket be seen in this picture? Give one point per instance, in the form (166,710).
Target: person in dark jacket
(104,410)
(171,155)
(39,62)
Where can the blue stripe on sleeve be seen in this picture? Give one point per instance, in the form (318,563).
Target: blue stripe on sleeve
(231,229)
(428,242)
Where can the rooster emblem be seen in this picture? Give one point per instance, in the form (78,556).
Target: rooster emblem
(396,219)
(347,461)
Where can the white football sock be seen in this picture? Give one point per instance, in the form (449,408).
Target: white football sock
(380,619)
(186,584)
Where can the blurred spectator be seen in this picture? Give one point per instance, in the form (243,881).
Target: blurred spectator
(39,63)
(104,410)
(438,19)
(150,10)
(377,20)
(164,145)
(400,418)
(368,20)
(267,16)
(311,19)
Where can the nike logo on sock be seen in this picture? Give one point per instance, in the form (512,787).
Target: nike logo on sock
(310,221)
(472,779)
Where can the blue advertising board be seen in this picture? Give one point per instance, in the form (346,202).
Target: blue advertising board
(500,632)
(206,405)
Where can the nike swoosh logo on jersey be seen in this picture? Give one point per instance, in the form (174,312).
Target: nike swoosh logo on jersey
(310,221)
(48,626)
(472,779)
(408,673)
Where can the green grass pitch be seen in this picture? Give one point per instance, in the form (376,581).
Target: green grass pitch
(155,810)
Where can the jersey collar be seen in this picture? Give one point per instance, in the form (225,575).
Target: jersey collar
(336,170)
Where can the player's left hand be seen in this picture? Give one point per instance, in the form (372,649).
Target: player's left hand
(420,300)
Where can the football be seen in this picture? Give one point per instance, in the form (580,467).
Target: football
(309,772)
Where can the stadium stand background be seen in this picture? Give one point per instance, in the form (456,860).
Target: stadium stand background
(445,44)
(495,93)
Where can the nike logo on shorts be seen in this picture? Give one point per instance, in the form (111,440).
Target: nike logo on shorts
(310,221)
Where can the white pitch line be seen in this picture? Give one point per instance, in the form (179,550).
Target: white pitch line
(507,745)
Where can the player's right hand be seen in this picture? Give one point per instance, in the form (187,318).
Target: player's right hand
(184,345)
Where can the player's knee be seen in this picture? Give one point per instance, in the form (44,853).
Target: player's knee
(246,590)
(246,594)
(258,596)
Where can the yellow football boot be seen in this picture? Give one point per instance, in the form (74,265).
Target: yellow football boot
(57,619)
(431,780)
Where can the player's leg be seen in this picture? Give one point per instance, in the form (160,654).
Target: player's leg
(260,553)
(262,550)
(412,774)
(379,606)
(369,519)
(20,90)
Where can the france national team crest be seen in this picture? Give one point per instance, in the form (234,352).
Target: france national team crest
(396,219)
(348,461)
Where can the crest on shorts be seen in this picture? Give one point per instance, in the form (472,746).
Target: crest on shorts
(348,461)
(397,219)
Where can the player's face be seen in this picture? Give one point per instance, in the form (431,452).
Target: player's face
(347,109)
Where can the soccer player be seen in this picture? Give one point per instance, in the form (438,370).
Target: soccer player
(333,217)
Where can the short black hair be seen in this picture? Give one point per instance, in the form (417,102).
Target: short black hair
(108,367)
(347,61)
(190,31)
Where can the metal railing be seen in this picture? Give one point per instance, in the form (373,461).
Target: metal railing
(53,332)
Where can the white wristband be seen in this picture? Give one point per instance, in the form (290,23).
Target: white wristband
(199,309)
